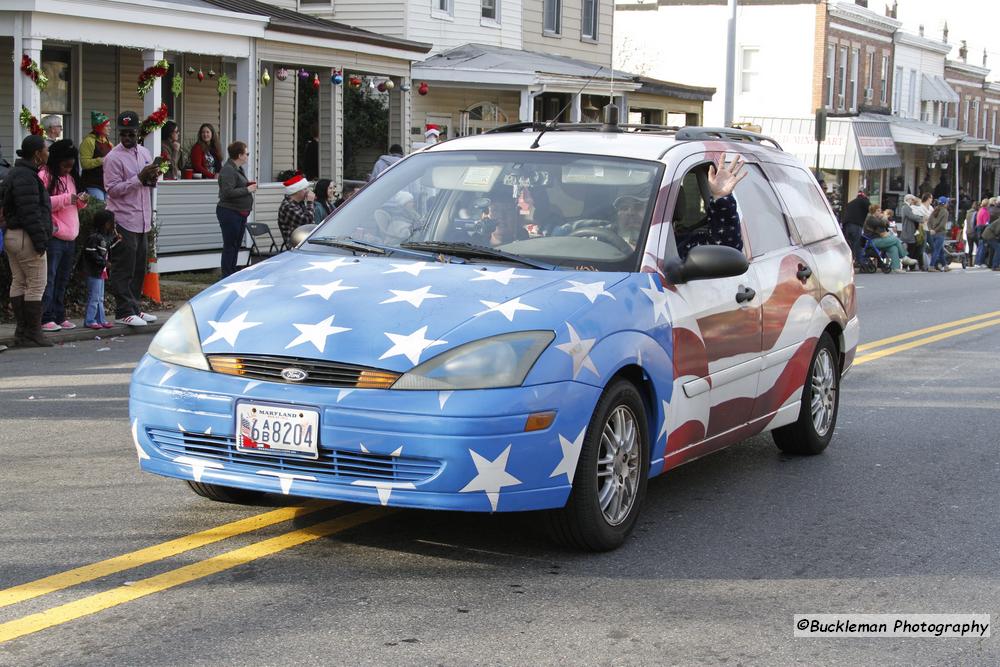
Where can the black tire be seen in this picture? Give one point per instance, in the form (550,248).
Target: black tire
(802,436)
(886,267)
(868,265)
(582,524)
(227,494)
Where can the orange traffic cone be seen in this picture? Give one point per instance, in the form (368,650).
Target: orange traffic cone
(151,283)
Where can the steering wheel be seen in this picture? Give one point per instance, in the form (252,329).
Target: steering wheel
(606,236)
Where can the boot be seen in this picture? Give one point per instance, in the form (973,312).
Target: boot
(33,336)
(17,304)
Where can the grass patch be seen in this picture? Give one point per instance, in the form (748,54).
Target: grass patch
(205,278)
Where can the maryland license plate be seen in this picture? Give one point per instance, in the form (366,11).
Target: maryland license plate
(265,428)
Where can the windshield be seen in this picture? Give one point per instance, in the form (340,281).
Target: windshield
(578,211)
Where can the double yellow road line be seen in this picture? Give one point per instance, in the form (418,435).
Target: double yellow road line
(926,336)
(92,604)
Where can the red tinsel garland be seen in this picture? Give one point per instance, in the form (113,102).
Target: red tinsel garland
(150,75)
(153,122)
(33,72)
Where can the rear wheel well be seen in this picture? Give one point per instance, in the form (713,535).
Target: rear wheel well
(641,381)
(836,332)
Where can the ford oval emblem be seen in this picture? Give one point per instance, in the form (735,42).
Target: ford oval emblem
(294,374)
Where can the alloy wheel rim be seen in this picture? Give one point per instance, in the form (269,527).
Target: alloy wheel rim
(824,392)
(618,465)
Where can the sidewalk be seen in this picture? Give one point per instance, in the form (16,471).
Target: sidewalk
(83,333)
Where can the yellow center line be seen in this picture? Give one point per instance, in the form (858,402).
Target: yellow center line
(84,573)
(872,356)
(100,601)
(927,330)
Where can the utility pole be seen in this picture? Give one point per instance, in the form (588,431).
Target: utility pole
(730,64)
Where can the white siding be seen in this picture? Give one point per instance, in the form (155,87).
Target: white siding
(283,127)
(909,58)
(465,26)
(185,212)
(386,17)
(325,145)
(569,42)
(265,208)
(7,142)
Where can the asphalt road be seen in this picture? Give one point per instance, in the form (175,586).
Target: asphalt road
(900,514)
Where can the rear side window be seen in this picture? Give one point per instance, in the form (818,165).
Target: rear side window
(806,205)
(760,212)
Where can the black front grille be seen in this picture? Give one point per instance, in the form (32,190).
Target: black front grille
(334,464)
(319,373)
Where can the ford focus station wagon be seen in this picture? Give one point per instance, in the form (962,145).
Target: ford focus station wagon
(520,320)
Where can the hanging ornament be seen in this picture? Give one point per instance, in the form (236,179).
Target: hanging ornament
(337,77)
(371,84)
(381,86)
(265,77)
(211,74)
(191,71)
(355,82)
(177,85)
(315,81)
(223,85)
(389,85)
(281,73)
(201,75)
(423,88)
(405,86)
(303,74)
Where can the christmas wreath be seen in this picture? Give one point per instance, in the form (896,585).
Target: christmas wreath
(33,72)
(150,75)
(153,122)
(30,122)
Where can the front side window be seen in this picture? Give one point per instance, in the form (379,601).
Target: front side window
(552,18)
(588,28)
(564,209)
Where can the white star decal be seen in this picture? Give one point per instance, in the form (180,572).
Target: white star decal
(579,350)
(410,345)
(414,297)
(659,300)
(285,479)
(242,288)
(325,291)
(396,452)
(384,488)
(589,290)
(570,455)
(229,331)
(413,268)
(197,465)
(503,277)
(331,265)
(316,333)
(250,385)
(491,476)
(343,393)
(508,308)
(443,397)
(166,376)
(663,426)
(140,452)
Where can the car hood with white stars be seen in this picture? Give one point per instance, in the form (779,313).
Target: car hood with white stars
(384,312)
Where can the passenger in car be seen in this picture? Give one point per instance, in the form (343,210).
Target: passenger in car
(722,225)
(630,212)
(506,224)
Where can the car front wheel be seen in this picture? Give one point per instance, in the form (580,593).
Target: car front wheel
(812,431)
(610,479)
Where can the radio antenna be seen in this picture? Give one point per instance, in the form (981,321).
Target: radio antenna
(552,123)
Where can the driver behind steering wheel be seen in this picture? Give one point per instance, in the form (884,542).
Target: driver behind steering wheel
(629,215)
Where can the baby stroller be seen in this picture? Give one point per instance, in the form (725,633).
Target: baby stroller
(954,251)
(872,259)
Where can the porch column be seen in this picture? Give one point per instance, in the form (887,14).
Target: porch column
(401,114)
(575,112)
(150,103)
(336,130)
(246,107)
(526,112)
(31,96)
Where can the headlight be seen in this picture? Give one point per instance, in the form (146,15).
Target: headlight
(177,341)
(490,363)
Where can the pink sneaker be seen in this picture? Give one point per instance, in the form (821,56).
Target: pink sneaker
(108,325)
(51,326)
(95,325)
(68,325)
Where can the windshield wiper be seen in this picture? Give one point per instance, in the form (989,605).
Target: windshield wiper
(463,249)
(347,243)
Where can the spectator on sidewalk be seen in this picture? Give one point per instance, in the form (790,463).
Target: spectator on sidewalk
(385,161)
(937,225)
(982,220)
(206,154)
(129,176)
(877,229)
(971,240)
(910,232)
(235,204)
(991,235)
(95,267)
(325,196)
(53,129)
(854,219)
(93,149)
(297,207)
(170,137)
(28,214)
(63,185)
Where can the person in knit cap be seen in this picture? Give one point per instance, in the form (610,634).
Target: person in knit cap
(297,207)
(52,125)
(94,147)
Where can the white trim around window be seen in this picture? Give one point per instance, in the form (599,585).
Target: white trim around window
(489,13)
(589,28)
(552,17)
(443,9)
(749,68)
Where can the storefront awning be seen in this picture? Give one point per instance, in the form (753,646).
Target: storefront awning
(852,143)
(934,88)
(910,131)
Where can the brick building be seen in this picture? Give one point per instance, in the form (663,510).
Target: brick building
(977,117)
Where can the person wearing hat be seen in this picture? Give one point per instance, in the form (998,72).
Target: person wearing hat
(53,128)
(93,149)
(129,176)
(937,225)
(432,135)
(297,207)
(28,213)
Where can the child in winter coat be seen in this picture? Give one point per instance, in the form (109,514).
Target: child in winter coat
(95,266)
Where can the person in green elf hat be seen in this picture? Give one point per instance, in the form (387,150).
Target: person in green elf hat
(92,151)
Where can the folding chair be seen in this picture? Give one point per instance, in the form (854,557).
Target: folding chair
(256,229)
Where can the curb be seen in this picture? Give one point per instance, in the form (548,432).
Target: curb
(83,333)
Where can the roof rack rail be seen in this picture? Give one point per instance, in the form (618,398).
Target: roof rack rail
(725,134)
(538,126)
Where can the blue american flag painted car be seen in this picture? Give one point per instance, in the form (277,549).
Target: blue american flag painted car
(490,327)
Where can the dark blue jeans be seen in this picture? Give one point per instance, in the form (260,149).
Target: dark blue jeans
(853,235)
(937,250)
(233,225)
(61,255)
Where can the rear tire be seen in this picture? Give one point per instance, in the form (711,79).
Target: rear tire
(812,431)
(226,494)
(611,474)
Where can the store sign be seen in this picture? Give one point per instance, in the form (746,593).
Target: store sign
(876,146)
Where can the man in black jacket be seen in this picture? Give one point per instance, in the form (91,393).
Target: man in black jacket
(854,219)
(29,227)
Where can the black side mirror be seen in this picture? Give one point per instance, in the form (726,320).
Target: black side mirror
(707,261)
(301,233)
